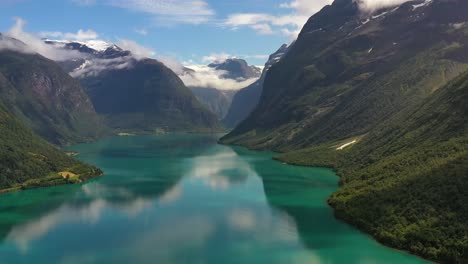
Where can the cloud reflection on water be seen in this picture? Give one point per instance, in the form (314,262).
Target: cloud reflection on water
(221,170)
(168,225)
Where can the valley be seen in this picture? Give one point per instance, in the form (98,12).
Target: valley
(347,145)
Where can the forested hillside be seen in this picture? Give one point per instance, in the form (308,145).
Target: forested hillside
(47,99)
(27,161)
(382,99)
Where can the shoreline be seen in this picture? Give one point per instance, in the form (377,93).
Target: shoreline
(50,181)
(339,215)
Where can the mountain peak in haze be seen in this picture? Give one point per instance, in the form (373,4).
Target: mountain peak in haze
(236,69)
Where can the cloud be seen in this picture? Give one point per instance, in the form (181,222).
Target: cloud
(94,67)
(35,45)
(263,29)
(373,5)
(288,24)
(205,76)
(172,64)
(138,51)
(81,35)
(142,31)
(164,11)
(216,57)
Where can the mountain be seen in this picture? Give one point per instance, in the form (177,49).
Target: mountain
(27,161)
(348,72)
(405,182)
(44,97)
(245,101)
(236,69)
(217,101)
(136,95)
(381,98)
(216,84)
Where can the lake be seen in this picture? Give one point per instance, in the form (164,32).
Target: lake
(184,199)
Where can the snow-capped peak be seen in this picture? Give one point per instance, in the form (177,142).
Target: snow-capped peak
(97,45)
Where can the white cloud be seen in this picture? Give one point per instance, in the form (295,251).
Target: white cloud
(287,24)
(373,5)
(263,29)
(93,67)
(205,76)
(216,57)
(142,31)
(35,45)
(164,11)
(96,66)
(138,51)
(81,35)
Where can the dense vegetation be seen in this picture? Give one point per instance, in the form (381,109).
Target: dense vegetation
(146,97)
(406,182)
(27,161)
(47,99)
(391,87)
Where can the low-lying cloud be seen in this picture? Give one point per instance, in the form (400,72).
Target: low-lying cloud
(17,39)
(204,76)
(36,45)
(138,51)
(94,67)
(197,75)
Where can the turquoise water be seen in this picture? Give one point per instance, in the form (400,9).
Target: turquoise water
(184,199)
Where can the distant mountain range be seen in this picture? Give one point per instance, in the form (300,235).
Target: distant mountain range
(40,101)
(378,97)
(236,69)
(135,95)
(219,99)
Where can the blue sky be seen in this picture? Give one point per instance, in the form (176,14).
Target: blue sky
(190,31)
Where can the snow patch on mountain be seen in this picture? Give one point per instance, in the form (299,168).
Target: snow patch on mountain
(425,3)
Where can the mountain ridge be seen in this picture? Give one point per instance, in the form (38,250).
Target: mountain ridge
(246,99)
(138,95)
(46,98)
(381,99)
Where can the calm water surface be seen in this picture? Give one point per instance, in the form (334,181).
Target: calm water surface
(184,199)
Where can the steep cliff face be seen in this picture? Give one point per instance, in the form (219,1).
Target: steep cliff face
(147,96)
(134,94)
(217,101)
(46,98)
(349,71)
(245,100)
(381,98)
